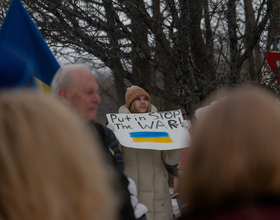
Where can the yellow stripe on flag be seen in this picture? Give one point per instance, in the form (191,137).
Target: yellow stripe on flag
(154,140)
(44,88)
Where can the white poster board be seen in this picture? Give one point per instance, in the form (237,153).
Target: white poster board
(155,130)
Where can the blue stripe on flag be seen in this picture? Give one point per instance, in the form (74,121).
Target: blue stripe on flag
(148,134)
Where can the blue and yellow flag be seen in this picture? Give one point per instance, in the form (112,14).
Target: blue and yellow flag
(19,30)
(151,136)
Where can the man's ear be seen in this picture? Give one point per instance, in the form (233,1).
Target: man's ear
(63,95)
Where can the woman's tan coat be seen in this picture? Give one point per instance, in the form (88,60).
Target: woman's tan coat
(147,169)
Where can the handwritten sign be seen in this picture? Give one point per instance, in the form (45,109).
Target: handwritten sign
(155,130)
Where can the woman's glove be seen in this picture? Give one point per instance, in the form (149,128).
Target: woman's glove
(139,208)
(186,124)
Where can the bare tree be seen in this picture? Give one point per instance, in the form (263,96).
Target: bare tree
(255,59)
(193,47)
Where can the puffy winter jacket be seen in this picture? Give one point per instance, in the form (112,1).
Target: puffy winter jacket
(147,169)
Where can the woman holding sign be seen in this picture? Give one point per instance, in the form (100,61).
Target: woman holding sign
(146,167)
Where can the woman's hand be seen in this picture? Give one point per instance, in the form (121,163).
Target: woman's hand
(186,124)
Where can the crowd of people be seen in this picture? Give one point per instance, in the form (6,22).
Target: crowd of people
(57,162)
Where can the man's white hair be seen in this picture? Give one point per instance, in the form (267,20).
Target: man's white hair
(63,77)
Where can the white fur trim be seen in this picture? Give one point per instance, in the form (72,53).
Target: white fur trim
(140,210)
(133,201)
(132,187)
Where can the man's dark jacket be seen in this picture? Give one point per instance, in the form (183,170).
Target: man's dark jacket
(121,183)
(113,143)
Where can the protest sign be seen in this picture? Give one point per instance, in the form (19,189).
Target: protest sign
(154,130)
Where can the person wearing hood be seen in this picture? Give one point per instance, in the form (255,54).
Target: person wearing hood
(147,167)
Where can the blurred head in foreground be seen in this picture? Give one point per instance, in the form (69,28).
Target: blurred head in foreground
(235,155)
(50,167)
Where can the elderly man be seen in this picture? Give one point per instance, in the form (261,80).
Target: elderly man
(76,87)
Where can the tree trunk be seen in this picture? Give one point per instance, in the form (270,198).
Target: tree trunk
(198,48)
(141,67)
(274,27)
(232,27)
(209,34)
(119,82)
(161,56)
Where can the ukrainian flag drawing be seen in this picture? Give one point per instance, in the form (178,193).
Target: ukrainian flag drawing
(155,137)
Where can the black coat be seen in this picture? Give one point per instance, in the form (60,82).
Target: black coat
(120,182)
(112,143)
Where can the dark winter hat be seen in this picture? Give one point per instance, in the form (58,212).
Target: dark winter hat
(16,69)
(132,93)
